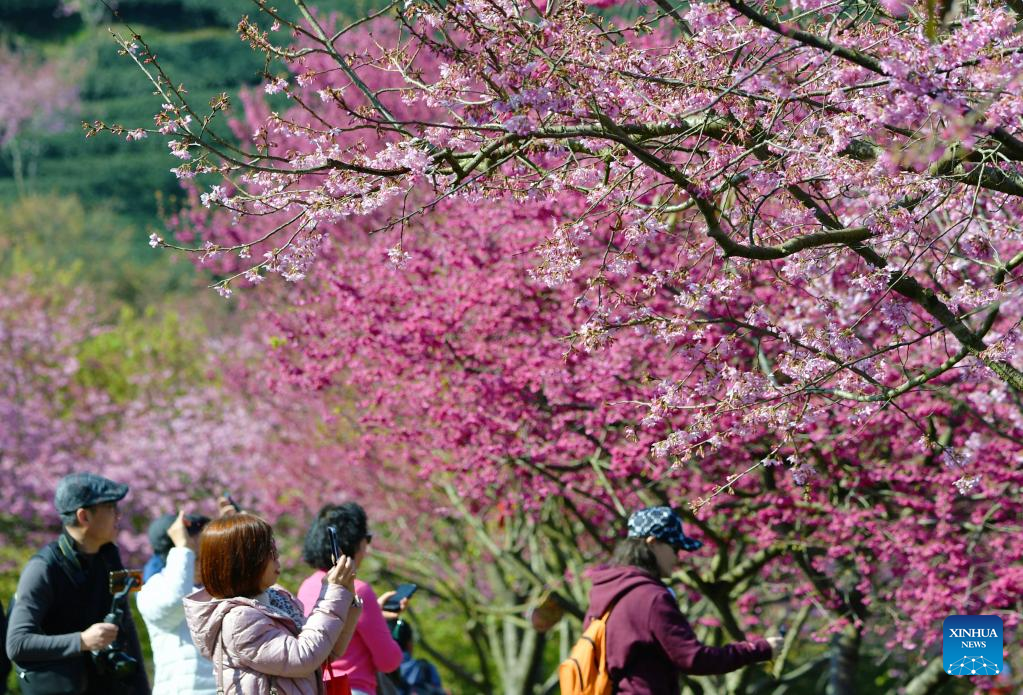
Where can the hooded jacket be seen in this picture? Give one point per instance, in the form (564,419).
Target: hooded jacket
(179,666)
(649,641)
(253,646)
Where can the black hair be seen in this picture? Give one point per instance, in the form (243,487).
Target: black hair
(69,518)
(352,526)
(636,552)
(402,633)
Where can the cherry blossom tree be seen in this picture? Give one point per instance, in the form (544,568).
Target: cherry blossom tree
(861,156)
(49,419)
(464,381)
(758,258)
(34,95)
(464,384)
(174,441)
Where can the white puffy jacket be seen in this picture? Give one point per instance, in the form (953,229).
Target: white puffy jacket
(180,669)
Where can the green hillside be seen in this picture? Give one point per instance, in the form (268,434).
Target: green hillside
(130,183)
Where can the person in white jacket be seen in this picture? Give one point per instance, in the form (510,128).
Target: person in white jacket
(180,669)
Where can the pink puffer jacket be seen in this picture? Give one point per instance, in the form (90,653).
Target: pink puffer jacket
(254,647)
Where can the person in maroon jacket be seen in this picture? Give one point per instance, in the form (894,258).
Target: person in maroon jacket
(649,641)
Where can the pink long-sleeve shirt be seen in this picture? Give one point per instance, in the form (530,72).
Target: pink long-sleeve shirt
(372,648)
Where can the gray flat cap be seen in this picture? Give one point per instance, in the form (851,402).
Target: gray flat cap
(84,490)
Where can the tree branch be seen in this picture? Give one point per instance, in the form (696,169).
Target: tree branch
(808,241)
(928,681)
(792,31)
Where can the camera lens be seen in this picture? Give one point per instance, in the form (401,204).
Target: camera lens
(117,663)
(196,522)
(124,665)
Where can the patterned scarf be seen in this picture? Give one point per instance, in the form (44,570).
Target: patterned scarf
(279,602)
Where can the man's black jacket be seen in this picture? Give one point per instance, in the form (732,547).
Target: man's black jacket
(61,592)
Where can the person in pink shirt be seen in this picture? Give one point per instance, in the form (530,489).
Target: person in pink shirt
(372,649)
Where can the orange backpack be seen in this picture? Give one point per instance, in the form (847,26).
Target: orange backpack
(584,672)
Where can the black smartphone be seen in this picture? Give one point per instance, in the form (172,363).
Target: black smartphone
(335,546)
(404,591)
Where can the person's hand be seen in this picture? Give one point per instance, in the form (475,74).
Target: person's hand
(178,532)
(775,641)
(343,573)
(224,507)
(181,536)
(391,615)
(98,636)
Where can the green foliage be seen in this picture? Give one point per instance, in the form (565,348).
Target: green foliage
(135,177)
(184,13)
(196,45)
(439,627)
(130,183)
(156,347)
(201,59)
(41,19)
(37,7)
(36,19)
(51,237)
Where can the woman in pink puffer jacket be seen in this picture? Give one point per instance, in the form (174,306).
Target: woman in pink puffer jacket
(254,632)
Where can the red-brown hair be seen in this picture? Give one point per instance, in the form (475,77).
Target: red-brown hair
(233,552)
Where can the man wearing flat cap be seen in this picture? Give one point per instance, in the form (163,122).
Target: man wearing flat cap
(57,619)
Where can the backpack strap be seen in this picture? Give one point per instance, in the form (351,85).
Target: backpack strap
(610,607)
(604,618)
(61,553)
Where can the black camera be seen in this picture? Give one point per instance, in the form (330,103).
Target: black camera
(115,662)
(194,523)
(112,660)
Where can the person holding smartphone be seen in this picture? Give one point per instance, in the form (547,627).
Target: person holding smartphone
(254,631)
(171,576)
(372,650)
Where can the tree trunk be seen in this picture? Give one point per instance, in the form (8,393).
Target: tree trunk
(845,650)
(17,167)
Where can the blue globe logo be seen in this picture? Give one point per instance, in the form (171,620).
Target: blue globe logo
(972,666)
